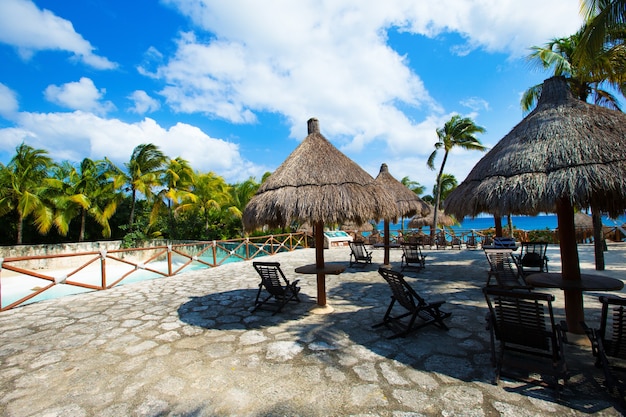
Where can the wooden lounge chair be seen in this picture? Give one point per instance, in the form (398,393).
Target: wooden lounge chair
(276,285)
(441,242)
(359,255)
(608,343)
(523,324)
(532,258)
(412,255)
(413,305)
(504,271)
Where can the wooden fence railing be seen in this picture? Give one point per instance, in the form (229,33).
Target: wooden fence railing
(34,278)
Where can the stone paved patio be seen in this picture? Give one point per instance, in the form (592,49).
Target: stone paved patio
(189,346)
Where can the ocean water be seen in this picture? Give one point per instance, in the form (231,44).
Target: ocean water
(540,222)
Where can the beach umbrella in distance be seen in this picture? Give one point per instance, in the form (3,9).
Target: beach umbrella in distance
(317,184)
(583,220)
(427,220)
(407,202)
(564,154)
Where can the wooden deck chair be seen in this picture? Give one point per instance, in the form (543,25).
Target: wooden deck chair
(441,242)
(456,242)
(608,343)
(503,269)
(471,242)
(412,255)
(532,258)
(276,285)
(358,254)
(523,324)
(413,305)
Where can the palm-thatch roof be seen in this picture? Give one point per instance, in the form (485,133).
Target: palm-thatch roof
(563,148)
(318,183)
(407,201)
(583,220)
(442,219)
(566,153)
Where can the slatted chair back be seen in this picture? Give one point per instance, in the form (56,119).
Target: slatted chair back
(532,257)
(503,269)
(523,322)
(608,343)
(441,242)
(272,277)
(278,287)
(613,326)
(402,292)
(412,255)
(414,306)
(359,254)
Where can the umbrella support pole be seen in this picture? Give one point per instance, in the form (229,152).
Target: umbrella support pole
(319,263)
(570,266)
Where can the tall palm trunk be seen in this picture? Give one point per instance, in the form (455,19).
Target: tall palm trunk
(132,210)
(20,229)
(83,217)
(433,229)
(598,238)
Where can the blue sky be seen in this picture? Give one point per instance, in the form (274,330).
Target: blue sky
(229,86)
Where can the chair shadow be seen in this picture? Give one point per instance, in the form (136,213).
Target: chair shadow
(232,310)
(462,353)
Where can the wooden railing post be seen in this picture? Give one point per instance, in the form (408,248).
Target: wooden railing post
(103,268)
(169,260)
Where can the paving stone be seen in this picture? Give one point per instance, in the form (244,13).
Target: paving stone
(189,345)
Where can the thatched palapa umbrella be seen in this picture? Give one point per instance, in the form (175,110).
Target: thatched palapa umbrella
(566,153)
(407,201)
(583,221)
(320,185)
(427,220)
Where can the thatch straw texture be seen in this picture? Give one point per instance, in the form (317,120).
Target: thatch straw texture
(583,221)
(563,148)
(442,218)
(318,183)
(407,201)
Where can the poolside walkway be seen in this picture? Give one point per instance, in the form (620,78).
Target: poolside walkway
(189,346)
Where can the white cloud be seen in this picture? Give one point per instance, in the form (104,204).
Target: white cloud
(331,60)
(143,103)
(8,102)
(30,29)
(77,135)
(80,95)
(475,103)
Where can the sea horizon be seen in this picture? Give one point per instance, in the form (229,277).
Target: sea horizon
(482,222)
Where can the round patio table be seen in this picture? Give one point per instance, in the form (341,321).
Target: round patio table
(588,282)
(329,268)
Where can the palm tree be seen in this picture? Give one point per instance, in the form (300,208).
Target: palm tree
(82,191)
(22,188)
(458,132)
(414,186)
(143,173)
(585,78)
(240,194)
(448,184)
(605,20)
(178,178)
(208,196)
(586,74)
